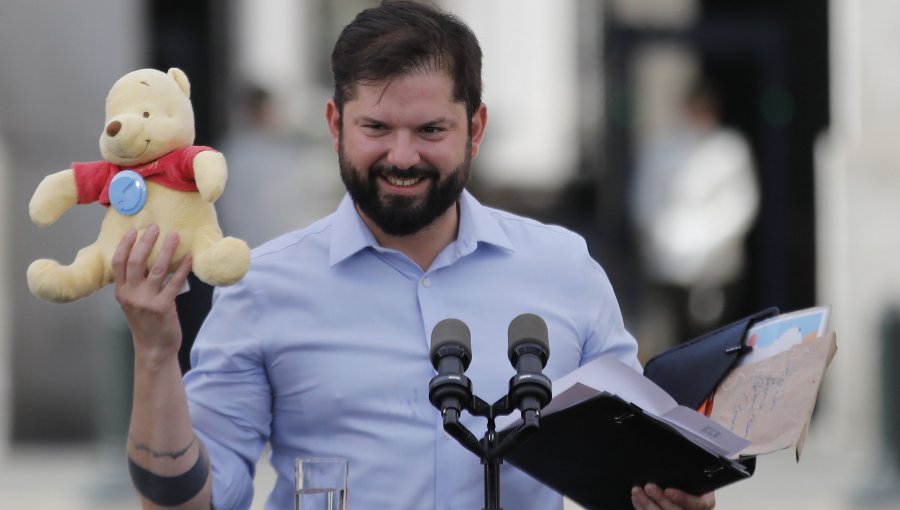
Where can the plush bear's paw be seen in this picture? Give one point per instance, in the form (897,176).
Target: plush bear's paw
(210,173)
(54,195)
(46,281)
(223,263)
(43,215)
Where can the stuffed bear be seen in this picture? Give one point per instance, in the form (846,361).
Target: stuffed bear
(151,174)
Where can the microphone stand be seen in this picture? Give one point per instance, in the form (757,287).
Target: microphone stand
(492,447)
(529,391)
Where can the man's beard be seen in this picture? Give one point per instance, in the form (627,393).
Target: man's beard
(400,215)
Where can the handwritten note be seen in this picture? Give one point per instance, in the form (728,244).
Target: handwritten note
(770,402)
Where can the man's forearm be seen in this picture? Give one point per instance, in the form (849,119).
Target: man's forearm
(167,462)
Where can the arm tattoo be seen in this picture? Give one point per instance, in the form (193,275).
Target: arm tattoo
(158,454)
(171,490)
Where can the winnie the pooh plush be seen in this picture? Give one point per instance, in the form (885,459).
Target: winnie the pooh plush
(151,174)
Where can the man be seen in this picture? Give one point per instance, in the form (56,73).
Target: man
(322,349)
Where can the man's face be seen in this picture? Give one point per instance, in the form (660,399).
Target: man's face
(405,150)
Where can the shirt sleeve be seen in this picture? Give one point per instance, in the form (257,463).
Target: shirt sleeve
(91,179)
(229,396)
(185,167)
(605,331)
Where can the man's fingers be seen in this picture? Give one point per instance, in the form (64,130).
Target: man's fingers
(176,282)
(689,502)
(137,261)
(656,499)
(120,256)
(641,501)
(161,265)
(653,497)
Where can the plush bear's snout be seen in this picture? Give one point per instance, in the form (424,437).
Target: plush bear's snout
(113,128)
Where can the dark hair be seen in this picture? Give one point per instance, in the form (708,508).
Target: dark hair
(399,37)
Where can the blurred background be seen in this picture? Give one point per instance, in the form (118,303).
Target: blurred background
(720,157)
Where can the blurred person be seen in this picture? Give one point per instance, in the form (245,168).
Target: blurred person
(693,201)
(270,191)
(322,349)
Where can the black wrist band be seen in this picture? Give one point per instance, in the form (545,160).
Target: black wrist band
(170,490)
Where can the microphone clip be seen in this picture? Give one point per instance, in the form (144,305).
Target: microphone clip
(529,391)
(450,391)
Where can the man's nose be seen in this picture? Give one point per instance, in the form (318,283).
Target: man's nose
(403,152)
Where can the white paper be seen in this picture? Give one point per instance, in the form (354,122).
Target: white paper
(608,374)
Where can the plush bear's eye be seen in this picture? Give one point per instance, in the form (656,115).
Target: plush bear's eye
(146,115)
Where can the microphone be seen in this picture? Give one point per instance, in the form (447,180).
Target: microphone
(451,352)
(529,348)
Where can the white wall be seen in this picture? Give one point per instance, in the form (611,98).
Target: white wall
(6,350)
(530,87)
(858,205)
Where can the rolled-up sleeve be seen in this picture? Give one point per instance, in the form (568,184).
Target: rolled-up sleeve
(229,396)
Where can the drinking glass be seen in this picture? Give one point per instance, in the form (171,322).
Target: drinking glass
(321,484)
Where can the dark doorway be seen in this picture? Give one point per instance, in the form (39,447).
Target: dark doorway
(768,61)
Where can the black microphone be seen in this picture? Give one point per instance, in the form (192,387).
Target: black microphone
(451,352)
(529,348)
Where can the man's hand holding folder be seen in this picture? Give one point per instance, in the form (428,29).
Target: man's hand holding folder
(654,497)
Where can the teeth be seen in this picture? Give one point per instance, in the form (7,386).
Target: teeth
(396,181)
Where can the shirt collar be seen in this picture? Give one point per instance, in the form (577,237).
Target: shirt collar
(476,225)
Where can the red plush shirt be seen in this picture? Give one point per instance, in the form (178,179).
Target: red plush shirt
(174,170)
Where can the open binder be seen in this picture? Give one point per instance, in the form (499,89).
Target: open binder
(595,451)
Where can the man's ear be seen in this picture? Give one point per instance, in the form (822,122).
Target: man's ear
(479,124)
(333,117)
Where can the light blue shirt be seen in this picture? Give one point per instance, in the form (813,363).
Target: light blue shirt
(323,350)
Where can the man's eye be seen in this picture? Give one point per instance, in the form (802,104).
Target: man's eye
(374,127)
(432,130)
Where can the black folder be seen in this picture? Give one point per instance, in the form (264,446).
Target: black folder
(692,370)
(596,451)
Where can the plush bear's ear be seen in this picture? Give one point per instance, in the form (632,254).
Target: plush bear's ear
(181,79)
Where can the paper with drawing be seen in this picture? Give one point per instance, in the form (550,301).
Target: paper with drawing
(778,334)
(770,402)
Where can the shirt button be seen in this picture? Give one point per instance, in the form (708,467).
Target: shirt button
(426,282)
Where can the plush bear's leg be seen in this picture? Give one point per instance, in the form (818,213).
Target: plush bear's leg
(51,281)
(217,260)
